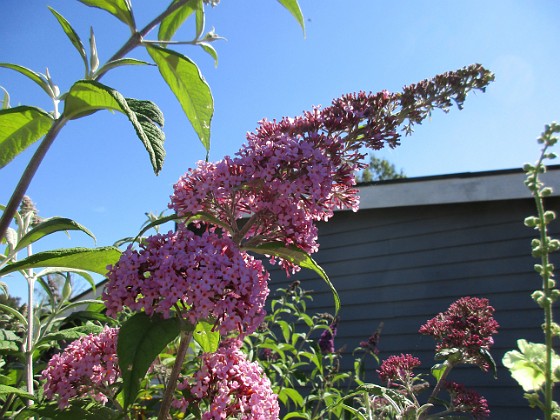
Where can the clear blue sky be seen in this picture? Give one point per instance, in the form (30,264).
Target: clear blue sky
(98,172)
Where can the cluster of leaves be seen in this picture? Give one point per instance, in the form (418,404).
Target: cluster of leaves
(536,366)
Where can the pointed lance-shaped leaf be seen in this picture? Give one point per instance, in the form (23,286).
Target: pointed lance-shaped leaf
(88,96)
(30,74)
(206,337)
(20,127)
(89,259)
(293,7)
(122,62)
(72,35)
(141,339)
(298,257)
(121,9)
(171,23)
(186,82)
(48,226)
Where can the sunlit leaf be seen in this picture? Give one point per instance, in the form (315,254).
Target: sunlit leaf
(20,127)
(210,50)
(72,35)
(122,62)
(82,273)
(87,96)
(173,21)
(11,311)
(207,339)
(293,7)
(121,9)
(90,259)
(48,226)
(5,103)
(36,77)
(187,84)
(141,339)
(300,258)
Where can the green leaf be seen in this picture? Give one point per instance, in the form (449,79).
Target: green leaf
(48,226)
(141,339)
(89,259)
(122,62)
(20,127)
(292,394)
(11,311)
(71,334)
(293,7)
(155,223)
(189,87)
(210,50)
(300,258)
(121,9)
(72,35)
(438,370)
(207,339)
(82,273)
(36,77)
(87,96)
(6,389)
(173,22)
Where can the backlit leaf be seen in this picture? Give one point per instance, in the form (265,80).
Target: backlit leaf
(121,9)
(293,7)
(20,127)
(189,87)
(48,226)
(173,21)
(207,339)
(87,96)
(89,259)
(36,77)
(72,35)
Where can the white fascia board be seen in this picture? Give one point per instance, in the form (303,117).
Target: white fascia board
(460,188)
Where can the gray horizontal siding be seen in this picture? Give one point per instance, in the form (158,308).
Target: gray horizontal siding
(401,266)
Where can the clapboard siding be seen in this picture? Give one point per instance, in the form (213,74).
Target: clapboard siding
(403,265)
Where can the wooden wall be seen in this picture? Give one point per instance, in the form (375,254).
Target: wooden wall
(401,266)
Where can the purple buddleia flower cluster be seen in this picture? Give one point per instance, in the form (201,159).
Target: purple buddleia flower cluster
(87,367)
(465,400)
(398,369)
(230,385)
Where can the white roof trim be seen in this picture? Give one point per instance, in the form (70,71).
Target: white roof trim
(460,188)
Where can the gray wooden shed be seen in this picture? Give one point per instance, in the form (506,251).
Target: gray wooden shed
(417,245)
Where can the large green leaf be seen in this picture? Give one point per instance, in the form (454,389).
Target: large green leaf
(293,7)
(72,35)
(87,96)
(20,127)
(173,21)
(36,77)
(89,259)
(48,226)
(187,84)
(300,258)
(121,9)
(141,339)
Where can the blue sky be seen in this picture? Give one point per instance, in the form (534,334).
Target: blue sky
(98,173)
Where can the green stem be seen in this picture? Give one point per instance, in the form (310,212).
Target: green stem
(30,276)
(174,376)
(547,307)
